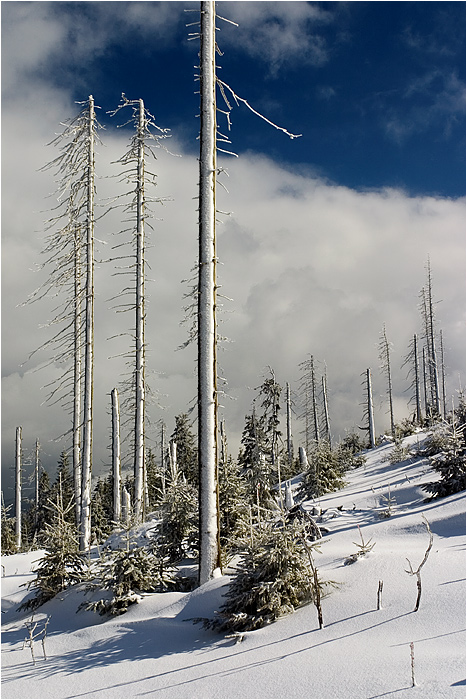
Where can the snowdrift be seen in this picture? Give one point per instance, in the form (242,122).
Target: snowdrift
(155,651)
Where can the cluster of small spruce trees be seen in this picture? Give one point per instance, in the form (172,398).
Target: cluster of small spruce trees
(274,565)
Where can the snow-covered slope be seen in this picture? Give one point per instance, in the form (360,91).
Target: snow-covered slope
(154,650)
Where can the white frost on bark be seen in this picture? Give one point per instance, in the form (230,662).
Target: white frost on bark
(140,389)
(85,529)
(18,488)
(207,389)
(116,457)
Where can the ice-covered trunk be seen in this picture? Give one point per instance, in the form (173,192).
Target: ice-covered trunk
(139,368)
(85,529)
(18,488)
(289,425)
(315,403)
(425,387)
(443,375)
(77,377)
(433,363)
(116,457)
(302,459)
(36,477)
(163,457)
(385,357)
(207,390)
(326,409)
(418,400)
(370,410)
(126,507)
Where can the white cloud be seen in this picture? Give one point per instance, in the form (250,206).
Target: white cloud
(277,32)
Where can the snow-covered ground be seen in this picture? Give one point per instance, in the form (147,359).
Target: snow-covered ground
(155,651)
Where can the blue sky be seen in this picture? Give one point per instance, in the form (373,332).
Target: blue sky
(328,235)
(375,88)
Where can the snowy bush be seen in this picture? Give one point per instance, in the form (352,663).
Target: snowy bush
(62,564)
(127,573)
(274,577)
(450,464)
(325,472)
(398,453)
(178,533)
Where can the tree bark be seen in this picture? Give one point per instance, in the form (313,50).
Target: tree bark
(207,384)
(18,484)
(116,457)
(370,409)
(85,530)
(140,389)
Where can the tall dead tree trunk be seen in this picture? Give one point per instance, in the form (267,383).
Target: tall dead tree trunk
(77,424)
(36,478)
(384,355)
(370,410)
(207,361)
(85,524)
(289,425)
(140,388)
(18,484)
(443,376)
(418,398)
(116,457)
(327,423)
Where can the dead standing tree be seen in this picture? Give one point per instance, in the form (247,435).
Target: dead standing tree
(206,289)
(384,356)
(69,252)
(146,135)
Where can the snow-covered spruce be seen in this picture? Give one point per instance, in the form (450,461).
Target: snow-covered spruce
(275,576)
(127,574)
(62,564)
(449,462)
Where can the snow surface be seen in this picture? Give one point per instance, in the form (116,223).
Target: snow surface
(155,651)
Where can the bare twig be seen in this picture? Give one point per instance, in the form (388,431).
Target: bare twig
(417,573)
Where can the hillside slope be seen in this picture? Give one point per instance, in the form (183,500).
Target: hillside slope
(154,651)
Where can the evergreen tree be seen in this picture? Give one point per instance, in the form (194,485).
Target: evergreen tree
(62,564)
(274,577)
(325,471)
(233,504)
(102,510)
(8,530)
(63,482)
(154,480)
(178,533)
(127,573)
(449,460)
(187,457)
(252,462)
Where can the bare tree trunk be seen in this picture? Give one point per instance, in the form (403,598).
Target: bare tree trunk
(77,377)
(370,410)
(18,488)
(140,389)
(443,375)
(315,403)
(207,371)
(289,425)
(116,457)
(36,478)
(425,386)
(432,346)
(386,368)
(418,401)
(163,456)
(326,409)
(85,530)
